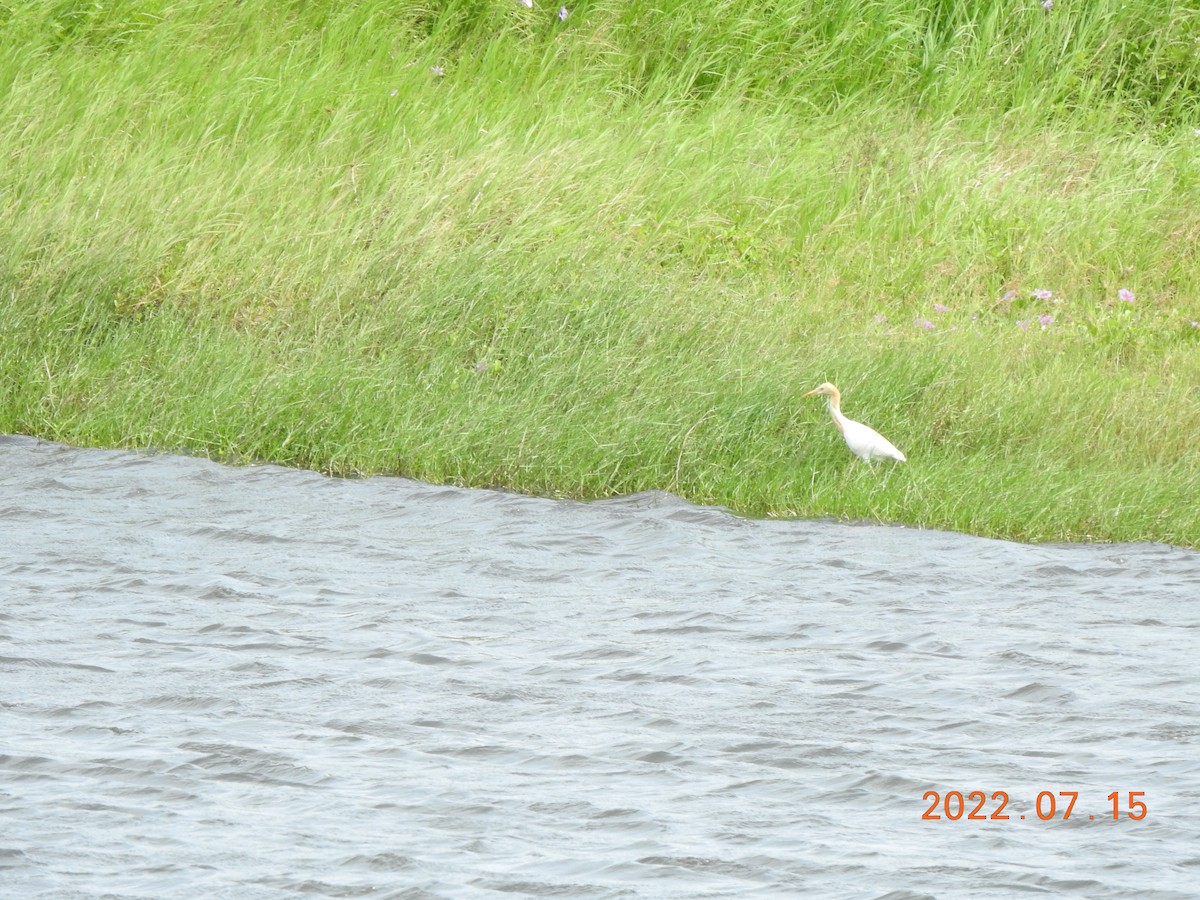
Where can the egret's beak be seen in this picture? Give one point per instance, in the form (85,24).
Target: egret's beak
(813,391)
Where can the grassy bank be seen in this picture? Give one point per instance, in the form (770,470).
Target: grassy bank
(469,242)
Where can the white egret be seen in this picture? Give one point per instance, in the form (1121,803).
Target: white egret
(865,443)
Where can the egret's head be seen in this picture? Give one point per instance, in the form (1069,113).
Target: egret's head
(824,390)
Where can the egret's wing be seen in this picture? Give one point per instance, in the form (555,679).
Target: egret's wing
(867,443)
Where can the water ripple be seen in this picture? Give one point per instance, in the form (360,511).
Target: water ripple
(257,682)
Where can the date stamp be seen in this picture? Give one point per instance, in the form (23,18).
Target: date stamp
(974,806)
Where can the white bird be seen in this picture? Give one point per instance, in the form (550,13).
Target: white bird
(864,442)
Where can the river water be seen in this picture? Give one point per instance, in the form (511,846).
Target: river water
(260,683)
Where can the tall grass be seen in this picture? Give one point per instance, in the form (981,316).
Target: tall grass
(470,242)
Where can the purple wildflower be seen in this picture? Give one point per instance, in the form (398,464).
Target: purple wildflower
(1043,294)
(1126,295)
(1194,324)
(926,324)
(1046,320)
(562,14)
(1047,5)
(1023,324)
(437,70)
(940,308)
(1009,296)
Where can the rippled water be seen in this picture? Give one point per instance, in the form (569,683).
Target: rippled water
(257,682)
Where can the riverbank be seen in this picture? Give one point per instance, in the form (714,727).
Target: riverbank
(605,255)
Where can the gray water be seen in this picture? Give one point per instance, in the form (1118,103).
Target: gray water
(259,683)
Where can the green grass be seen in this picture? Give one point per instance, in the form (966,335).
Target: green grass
(470,243)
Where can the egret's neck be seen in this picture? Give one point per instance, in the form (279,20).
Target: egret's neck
(835,410)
